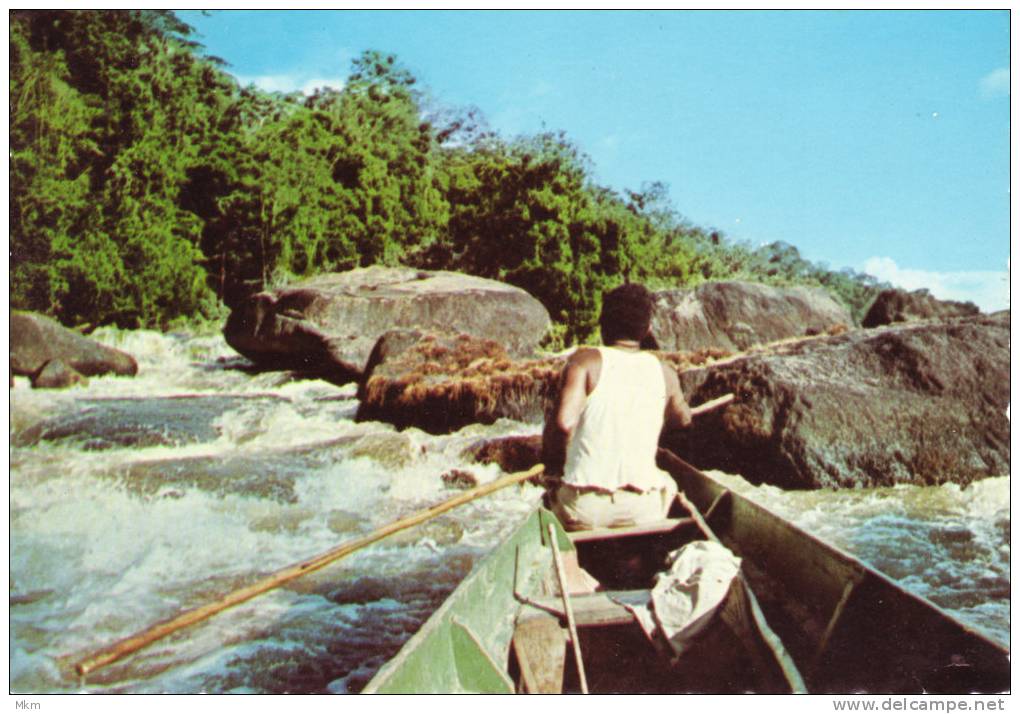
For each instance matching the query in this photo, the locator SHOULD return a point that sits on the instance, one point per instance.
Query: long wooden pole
(561, 577)
(135, 642)
(712, 404)
(158, 631)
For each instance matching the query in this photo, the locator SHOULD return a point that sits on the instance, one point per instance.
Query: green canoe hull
(807, 617)
(463, 646)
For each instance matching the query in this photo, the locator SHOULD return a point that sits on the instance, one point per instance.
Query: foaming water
(132, 499)
(946, 543)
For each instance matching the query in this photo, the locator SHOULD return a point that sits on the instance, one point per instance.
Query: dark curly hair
(626, 313)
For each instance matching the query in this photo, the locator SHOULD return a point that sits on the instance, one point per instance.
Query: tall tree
(383, 157)
(123, 251)
(52, 145)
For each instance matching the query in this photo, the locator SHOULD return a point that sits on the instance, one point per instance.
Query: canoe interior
(729, 656)
(884, 639)
(803, 617)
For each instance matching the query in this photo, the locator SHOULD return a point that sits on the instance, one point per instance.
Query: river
(134, 498)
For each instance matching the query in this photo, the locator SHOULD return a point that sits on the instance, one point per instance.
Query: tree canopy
(147, 187)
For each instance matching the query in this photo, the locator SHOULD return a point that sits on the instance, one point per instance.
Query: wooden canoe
(803, 616)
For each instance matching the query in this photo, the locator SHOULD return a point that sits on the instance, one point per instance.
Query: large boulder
(896, 305)
(921, 403)
(329, 324)
(37, 340)
(736, 315)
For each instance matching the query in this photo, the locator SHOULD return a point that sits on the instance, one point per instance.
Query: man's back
(605, 427)
(614, 443)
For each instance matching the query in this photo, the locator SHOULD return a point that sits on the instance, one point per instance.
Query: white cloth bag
(689, 592)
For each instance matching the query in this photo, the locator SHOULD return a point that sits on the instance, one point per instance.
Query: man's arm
(577, 380)
(678, 413)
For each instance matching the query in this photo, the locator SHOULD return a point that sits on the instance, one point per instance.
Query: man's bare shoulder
(585, 358)
(672, 379)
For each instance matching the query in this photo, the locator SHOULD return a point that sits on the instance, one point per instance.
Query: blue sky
(872, 140)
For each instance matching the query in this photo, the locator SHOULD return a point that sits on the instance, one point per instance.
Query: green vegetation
(147, 188)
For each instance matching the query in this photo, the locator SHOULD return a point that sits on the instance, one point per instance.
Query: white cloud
(610, 142)
(988, 289)
(288, 83)
(995, 84)
(314, 83)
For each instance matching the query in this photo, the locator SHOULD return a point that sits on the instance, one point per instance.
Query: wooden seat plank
(592, 610)
(665, 525)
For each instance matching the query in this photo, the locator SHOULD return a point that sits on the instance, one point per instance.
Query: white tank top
(615, 441)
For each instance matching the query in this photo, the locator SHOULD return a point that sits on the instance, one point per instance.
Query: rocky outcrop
(330, 324)
(901, 306)
(38, 341)
(920, 403)
(441, 383)
(736, 315)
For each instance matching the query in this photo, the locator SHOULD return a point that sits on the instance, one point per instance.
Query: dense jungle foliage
(147, 188)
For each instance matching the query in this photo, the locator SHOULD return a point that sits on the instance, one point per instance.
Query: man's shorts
(580, 509)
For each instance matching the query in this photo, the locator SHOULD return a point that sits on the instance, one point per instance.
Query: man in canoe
(603, 431)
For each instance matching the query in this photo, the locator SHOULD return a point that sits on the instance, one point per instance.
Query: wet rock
(132, 422)
(922, 403)
(25, 415)
(441, 383)
(394, 451)
(459, 478)
(902, 306)
(271, 476)
(37, 340)
(282, 520)
(512, 453)
(329, 324)
(736, 315)
(393, 345)
(29, 598)
(57, 375)
(345, 522)
(441, 532)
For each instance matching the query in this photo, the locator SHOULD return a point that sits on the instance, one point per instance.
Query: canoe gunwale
(908, 626)
(847, 599)
(861, 570)
(528, 534)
